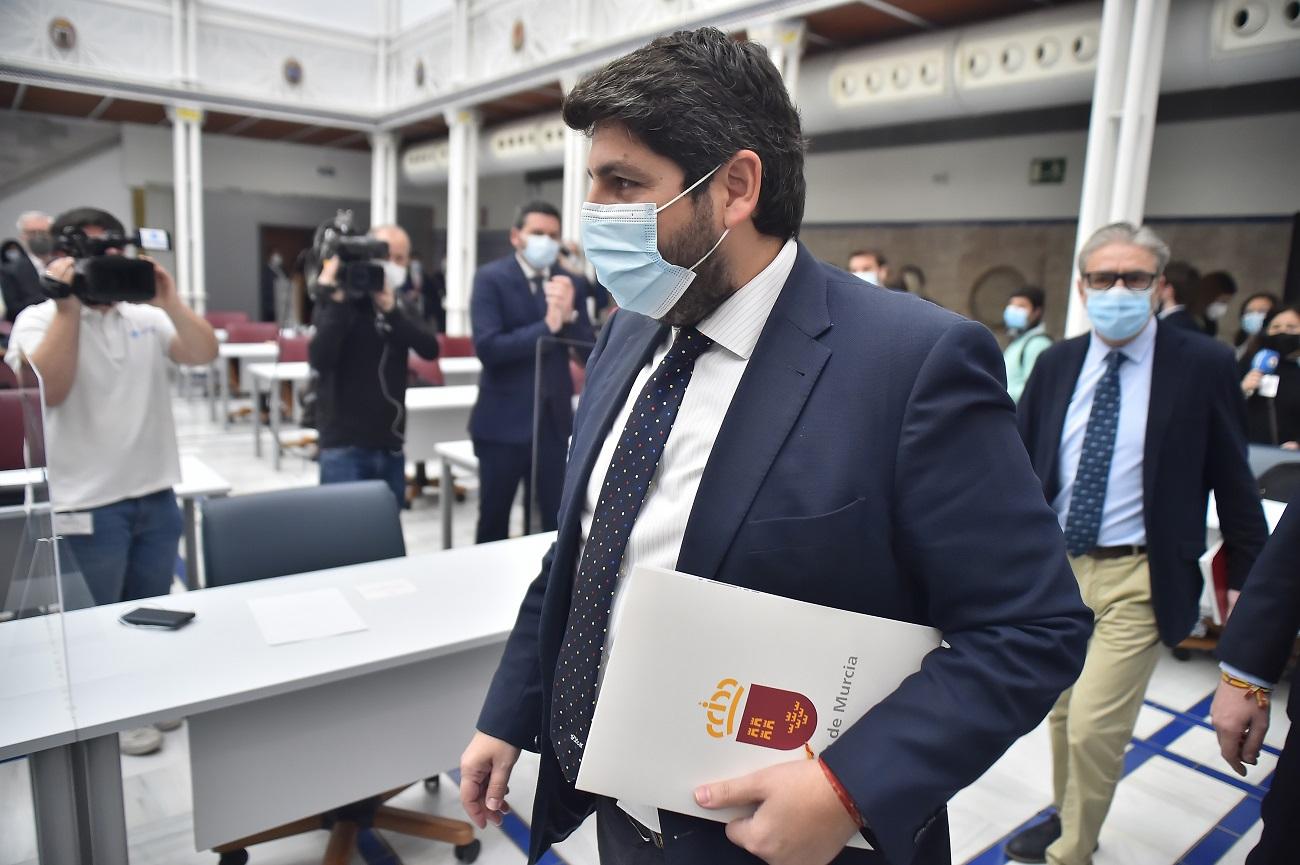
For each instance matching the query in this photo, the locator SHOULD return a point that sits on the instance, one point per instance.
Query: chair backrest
(225, 318)
(253, 331)
(293, 349)
(455, 346)
(263, 535)
(578, 373)
(11, 429)
(8, 378)
(1280, 483)
(427, 373)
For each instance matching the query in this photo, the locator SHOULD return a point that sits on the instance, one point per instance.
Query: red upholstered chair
(424, 373)
(455, 346)
(224, 319)
(293, 349)
(11, 429)
(252, 331)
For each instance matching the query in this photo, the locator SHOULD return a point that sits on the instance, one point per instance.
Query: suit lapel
(1060, 406)
(780, 376)
(1166, 385)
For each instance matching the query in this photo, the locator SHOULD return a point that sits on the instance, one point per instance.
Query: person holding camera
(109, 434)
(360, 352)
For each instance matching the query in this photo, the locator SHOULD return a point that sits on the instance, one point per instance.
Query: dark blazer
(20, 285)
(1195, 442)
(507, 319)
(1184, 319)
(868, 461)
(1264, 623)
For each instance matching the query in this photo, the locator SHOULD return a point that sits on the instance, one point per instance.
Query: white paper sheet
(304, 616)
(381, 589)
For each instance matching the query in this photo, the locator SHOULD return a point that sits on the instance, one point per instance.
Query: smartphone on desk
(152, 617)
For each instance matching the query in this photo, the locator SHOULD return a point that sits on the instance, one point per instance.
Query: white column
(462, 216)
(784, 41)
(198, 275)
(181, 201)
(577, 146)
(1122, 126)
(383, 178)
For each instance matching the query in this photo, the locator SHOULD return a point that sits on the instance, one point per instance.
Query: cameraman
(360, 350)
(110, 438)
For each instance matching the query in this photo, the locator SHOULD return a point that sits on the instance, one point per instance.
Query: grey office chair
(264, 535)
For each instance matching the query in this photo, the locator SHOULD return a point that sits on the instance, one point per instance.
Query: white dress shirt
(656, 537)
(1122, 519)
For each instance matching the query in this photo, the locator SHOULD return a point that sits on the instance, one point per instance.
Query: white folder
(705, 681)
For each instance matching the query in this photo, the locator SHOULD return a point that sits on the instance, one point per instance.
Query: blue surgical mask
(1253, 322)
(1015, 317)
(1118, 314)
(540, 250)
(622, 242)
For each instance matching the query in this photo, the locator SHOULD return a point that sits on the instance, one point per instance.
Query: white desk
(435, 415)
(240, 352)
(198, 480)
(460, 370)
(270, 374)
(459, 454)
(276, 732)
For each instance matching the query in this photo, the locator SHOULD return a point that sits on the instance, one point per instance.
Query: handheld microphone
(1266, 361)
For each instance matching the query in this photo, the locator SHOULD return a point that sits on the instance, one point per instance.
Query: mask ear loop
(725, 232)
(679, 195)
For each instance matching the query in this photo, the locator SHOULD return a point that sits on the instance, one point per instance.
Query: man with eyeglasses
(1128, 428)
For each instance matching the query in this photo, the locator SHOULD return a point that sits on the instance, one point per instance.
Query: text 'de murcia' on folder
(705, 681)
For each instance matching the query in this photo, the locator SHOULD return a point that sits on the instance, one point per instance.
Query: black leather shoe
(1031, 844)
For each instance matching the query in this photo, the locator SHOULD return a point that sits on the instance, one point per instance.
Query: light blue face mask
(1253, 322)
(622, 242)
(1015, 317)
(1118, 314)
(540, 250)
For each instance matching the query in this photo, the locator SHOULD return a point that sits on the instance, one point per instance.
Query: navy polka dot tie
(1083, 523)
(621, 495)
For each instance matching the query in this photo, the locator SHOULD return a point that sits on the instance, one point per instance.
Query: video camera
(102, 278)
(361, 272)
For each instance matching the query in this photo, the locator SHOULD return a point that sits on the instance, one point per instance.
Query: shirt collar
(1135, 352)
(529, 271)
(738, 322)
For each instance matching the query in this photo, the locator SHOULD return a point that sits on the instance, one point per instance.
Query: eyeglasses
(1103, 279)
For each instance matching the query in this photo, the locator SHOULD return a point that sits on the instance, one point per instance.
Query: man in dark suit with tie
(1254, 650)
(517, 301)
(756, 417)
(1129, 427)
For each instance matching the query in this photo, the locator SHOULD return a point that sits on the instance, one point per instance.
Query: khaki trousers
(1092, 723)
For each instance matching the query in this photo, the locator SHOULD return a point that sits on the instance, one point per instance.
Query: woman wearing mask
(1255, 314)
(1273, 406)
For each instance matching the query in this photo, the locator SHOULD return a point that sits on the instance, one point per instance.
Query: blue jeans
(340, 465)
(132, 552)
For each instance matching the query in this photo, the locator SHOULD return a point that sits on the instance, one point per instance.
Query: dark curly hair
(698, 97)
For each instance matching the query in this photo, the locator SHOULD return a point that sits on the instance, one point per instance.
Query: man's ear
(742, 181)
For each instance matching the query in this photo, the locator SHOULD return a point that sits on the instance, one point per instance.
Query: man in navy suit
(756, 417)
(1254, 650)
(1129, 427)
(517, 301)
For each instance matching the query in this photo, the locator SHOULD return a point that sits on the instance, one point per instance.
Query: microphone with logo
(1266, 361)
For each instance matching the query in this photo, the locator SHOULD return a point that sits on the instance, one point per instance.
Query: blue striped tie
(621, 496)
(1083, 523)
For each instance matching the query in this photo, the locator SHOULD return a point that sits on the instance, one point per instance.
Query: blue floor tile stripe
(517, 831)
(1233, 825)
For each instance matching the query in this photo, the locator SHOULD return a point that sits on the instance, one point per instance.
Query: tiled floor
(1164, 807)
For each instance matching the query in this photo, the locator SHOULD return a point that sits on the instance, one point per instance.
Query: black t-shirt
(353, 342)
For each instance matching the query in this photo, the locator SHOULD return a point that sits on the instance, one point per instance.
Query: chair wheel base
(468, 852)
(234, 857)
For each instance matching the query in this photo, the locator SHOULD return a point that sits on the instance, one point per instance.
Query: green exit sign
(1049, 170)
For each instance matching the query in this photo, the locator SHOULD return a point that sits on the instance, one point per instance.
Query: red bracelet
(845, 799)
